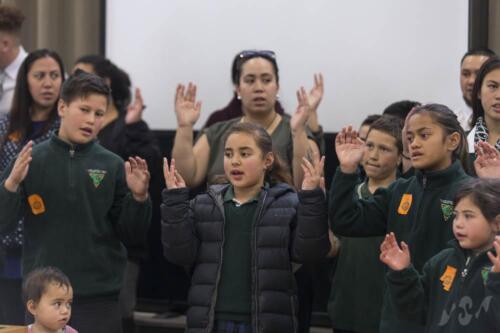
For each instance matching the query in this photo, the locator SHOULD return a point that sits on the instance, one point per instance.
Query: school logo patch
(405, 204)
(36, 203)
(448, 277)
(447, 209)
(96, 176)
(484, 273)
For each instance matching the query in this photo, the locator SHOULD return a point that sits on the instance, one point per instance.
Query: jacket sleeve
(310, 240)
(11, 206)
(354, 217)
(493, 290)
(180, 243)
(409, 292)
(131, 219)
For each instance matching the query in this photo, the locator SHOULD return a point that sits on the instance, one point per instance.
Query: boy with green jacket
(77, 209)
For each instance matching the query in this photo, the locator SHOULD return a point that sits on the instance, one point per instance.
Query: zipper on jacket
(255, 285)
(211, 313)
(466, 268)
(424, 181)
(72, 193)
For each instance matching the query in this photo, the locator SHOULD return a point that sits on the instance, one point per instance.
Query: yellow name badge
(448, 277)
(405, 204)
(36, 204)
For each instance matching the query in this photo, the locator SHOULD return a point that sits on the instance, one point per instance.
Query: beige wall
(494, 26)
(70, 27)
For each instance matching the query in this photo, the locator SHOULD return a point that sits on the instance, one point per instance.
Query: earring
(277, 96)
(238, 97)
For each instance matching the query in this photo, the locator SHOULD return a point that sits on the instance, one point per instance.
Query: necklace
(268, 125)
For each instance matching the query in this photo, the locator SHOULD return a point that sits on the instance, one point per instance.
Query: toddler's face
(53, 311)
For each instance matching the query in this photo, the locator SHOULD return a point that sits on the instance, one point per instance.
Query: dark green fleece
(418, 210)
(456, 293)
(84, 215)
(357, 290)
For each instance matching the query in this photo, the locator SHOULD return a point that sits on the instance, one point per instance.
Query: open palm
(137, 176)
(392, 255)
(349, 148)
(299, 118)
(173, 178)
(187, 109)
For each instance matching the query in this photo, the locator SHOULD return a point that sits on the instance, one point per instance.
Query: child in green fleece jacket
(76, 206)
(459, 290)
(418, 209)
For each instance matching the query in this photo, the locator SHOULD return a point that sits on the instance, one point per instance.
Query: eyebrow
(419, 129)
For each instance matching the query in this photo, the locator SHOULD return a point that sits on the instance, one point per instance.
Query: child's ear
(31, 306)
(453, 141)
(61, 108)
(268, 160)
(496, 225)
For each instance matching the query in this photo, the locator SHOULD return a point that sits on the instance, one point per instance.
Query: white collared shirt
(9, 82)
(464, 114)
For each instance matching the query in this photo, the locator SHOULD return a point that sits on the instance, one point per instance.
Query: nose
(235, 160)
(90, 118)
(414, 143)
(471, 79)
(374, 154)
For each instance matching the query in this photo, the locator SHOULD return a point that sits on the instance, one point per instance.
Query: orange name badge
(448, 277)
(405, 204)
(36, 204)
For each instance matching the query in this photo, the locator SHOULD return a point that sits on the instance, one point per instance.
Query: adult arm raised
(191, 161)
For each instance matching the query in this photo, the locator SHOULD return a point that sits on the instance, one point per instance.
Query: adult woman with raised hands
(258, 85)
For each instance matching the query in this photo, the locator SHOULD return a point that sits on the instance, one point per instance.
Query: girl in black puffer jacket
(240, 238)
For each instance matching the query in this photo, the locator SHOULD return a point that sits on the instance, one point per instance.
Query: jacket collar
(272, 191)
(57, 143)
(441, 178)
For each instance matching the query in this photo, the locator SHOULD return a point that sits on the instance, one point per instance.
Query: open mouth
(86, 131)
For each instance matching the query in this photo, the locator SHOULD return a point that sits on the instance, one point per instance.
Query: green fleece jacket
(456, 293)
(77, 212)
(418, 210)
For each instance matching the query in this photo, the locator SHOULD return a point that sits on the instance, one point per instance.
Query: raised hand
(20, 169)
(173, 178)
(187, 109)
(349, 148)
(487, 163)
(495, 260)
(313, 172)
(137, 176)
(134, 110)
(299, 118)
(392, 255)
(316, 93)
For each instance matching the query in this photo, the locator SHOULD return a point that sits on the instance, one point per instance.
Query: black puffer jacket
(289, 227)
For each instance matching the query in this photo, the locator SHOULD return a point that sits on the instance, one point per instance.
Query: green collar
(229, 195)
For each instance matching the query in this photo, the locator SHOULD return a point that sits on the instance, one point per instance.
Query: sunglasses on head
(257, 53)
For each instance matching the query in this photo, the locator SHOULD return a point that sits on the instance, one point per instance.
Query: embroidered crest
(448, 277)
(405, 204)
(36, 204)
(447, 209)
(97, 176)
(484, 273)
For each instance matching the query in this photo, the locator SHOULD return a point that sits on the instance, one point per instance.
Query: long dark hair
(477, 107)
(277, 173)
(20, 122)
(448, 121)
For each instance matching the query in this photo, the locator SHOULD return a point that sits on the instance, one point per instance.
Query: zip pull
(465, 271)
(424, 181)
(72, 152)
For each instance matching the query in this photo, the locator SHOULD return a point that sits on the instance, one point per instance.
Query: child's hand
(187, 109)
(312, 172)
(393, 256)
(137, 175)
(495, 260)
(349, 149)
(134, 110)
(173, 178)
(20, 168)
(301, 115)
(487, 163)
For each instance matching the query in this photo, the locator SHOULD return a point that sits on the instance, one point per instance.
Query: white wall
(371, 53)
